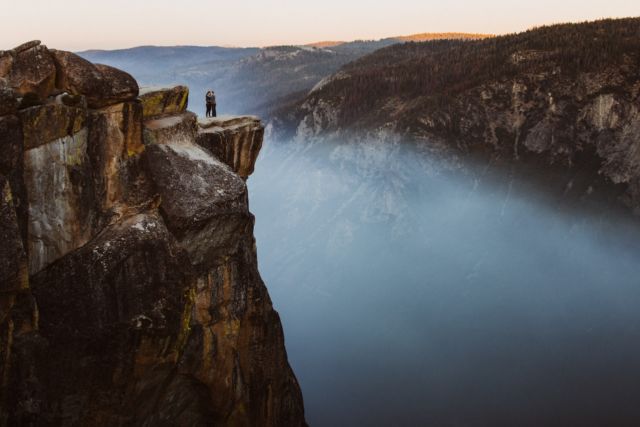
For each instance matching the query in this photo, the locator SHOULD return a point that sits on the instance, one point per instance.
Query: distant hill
(159, 63)
(423, 37)
(402, 82)
(564, 96)
(246, 80)
(326, 44)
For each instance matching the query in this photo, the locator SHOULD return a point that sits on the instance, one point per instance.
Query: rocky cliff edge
(129, 288)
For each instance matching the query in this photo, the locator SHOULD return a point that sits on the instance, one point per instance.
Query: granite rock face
(236, 141)
(129, 288)
(101, 84)
(164, 101)
(30, 69)
(162, 130)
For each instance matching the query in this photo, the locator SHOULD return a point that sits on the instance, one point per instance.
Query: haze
(411, 297)
(81, 24)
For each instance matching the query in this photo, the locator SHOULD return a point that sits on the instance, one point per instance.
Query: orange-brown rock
(115, 145)
(45, 123)
(6, 62)
(102, 85)
(236, 140)
(176, 128)
(129, 289)
(164, 101)
(32, 70)
(118, 86)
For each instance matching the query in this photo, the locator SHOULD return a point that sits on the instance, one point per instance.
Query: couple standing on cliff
(211, 103)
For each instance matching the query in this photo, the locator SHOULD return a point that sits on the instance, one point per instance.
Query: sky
(107, 24)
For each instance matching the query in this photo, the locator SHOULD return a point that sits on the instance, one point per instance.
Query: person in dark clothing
(208, 103)
(211, 104)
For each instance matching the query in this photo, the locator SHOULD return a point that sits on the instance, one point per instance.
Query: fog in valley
(412, 296)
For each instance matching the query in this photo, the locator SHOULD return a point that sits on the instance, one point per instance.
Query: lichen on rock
(164, 101)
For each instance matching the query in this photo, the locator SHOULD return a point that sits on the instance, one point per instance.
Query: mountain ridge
(553, 93)
(246, 80)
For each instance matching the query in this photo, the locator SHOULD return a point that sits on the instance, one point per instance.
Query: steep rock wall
(561, 101)
(129, 288)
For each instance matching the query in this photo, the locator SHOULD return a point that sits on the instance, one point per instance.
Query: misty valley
(415, 296)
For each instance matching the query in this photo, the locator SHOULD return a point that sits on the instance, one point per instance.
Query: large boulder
(229, 299)
(60, 194)
(26, 46)
(118, 86)
(100, 84)
(32, 70)
(194, 186)
(203, 201)
(45, 123)
(115, 312)
(177, 128)
(118, 279)
(164, 101)
(235, 140)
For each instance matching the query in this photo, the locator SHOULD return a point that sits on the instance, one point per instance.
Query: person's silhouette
(211, 103)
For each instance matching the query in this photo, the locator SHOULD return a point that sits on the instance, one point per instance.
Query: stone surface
(18, 314)
(226, 121)
(26, 46)
(45, 123)
(119, 86)
(177, 128)
(6, 62)
(60, 196)
(234, 140)
(13, 259)
(12, 166)
(164, 101)
(8, 100)
(33, 71)
(120, 305)
(115, 145)
(193, 185)
(102, 85)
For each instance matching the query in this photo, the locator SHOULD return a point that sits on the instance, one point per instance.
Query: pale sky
(106, 24)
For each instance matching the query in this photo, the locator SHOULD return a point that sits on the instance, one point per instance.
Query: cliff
(129, 287)
(557, 101)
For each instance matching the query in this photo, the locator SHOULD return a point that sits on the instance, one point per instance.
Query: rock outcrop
(234, 140)
(129, 288)
(561, 100)
(164, 101)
